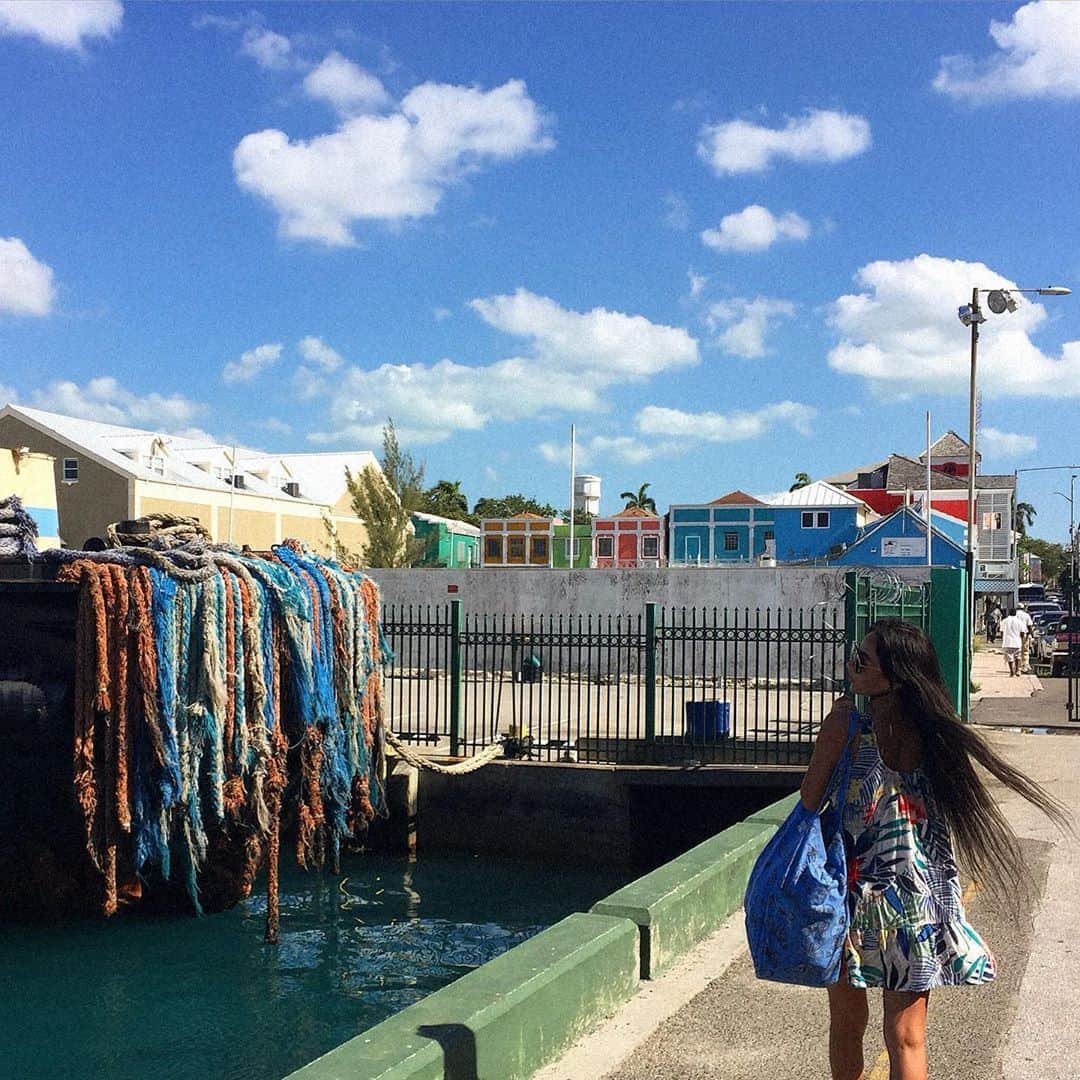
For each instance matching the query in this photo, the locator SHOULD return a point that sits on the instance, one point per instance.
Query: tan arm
(827, 750)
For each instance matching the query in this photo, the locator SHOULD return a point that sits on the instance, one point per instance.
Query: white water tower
(587, 494)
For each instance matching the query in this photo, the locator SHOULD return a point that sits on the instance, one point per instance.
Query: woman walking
(914, 791)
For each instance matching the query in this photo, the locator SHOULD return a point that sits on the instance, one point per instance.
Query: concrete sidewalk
(709, 1017)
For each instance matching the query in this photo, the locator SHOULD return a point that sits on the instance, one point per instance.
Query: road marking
(880, 1069)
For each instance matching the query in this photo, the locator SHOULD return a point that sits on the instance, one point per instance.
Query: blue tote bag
(796, 899)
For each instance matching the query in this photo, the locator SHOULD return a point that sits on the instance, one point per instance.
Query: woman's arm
(827, 750)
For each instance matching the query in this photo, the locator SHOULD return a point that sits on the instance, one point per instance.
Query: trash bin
(708, 721)
(531, 668)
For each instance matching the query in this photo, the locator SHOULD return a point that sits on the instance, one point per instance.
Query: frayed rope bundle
(18, 530)
(195, 671)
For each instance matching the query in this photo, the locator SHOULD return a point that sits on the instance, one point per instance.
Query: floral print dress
(908, 930)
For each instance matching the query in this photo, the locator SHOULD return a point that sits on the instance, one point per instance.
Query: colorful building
(816, 522)
(900, 540)
(31, 477)
(560, 550)
(520, 541)
(732, 529)
(633, 537)
(447, 541)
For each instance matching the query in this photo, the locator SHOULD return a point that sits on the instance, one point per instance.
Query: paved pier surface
(710, 1018)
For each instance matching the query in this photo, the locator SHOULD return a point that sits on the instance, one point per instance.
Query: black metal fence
(669, 686)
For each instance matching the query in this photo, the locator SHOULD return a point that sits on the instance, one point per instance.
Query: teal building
(448, 542)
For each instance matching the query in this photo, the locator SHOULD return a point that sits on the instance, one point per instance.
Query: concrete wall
(536, 591)
(33, 478)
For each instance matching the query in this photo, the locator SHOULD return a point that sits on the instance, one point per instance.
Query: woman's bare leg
(848, 1014)
(905, 1034)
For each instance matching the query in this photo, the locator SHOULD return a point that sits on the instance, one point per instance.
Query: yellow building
(106, 473)
(522, 540)
(31, 477)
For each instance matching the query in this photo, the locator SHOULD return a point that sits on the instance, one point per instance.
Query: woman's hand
(831, 739)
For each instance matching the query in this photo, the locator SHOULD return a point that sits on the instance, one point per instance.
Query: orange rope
(230, 671)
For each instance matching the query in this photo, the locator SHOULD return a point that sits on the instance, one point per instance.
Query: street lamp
(998, 301)
(1072, 542)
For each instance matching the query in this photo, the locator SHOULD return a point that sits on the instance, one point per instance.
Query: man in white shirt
(1013, 631)
(1025, 645)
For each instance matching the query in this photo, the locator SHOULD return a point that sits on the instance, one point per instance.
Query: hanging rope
(460, 768)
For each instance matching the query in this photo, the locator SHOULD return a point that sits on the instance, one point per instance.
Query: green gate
(936, 606)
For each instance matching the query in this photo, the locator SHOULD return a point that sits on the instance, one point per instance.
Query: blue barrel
(708, 721)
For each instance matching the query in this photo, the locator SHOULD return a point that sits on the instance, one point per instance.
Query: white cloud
(740, 146)
(600, 449)
(316, 351)
(902, 335)
(995, 443)
(274, 425)
(697, 283)
(755, 229)
(104, 399)
(268, 49)
(740, 325)
(441, 314)
(676, 212)
(572, 357)
(7, 395)
(390, 168)
(309, 384)
(347, 86)
(251, 363)
(26, 285)
(718, 427)
(63, 24)
(1038, 57)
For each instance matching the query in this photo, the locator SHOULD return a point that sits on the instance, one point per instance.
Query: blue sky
(728, 241)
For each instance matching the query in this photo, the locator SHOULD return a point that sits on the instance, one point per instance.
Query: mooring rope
(459, 768)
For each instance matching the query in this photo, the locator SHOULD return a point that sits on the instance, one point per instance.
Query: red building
(632, 537)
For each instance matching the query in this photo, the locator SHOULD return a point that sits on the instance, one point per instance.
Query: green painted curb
(687, 899)
(505, 1019)
(776, 813)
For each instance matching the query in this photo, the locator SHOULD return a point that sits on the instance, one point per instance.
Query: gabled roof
(321, 476)
(455, 525)
(818, 493)
(916, 517)
(905, 472)
(736, 498)
(636, 511)
(948, 446)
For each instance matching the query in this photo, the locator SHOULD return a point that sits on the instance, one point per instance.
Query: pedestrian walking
(914, 791)
(1013, 631)
(1025, 641)
(993, 622)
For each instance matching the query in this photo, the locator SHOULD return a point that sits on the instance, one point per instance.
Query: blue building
(736, 528)
(817, 522)
(900, 540)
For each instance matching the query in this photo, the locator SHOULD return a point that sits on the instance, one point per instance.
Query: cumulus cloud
(390, 168)
(346, 86)
(741, 146)
(719, 427)
(1038, 57)
(569, 359)
(268, 49)
(63, 24)
(697, 283)
(901, 334)
(755, 229)
(316, 351)
(995, 443)
(26, 285)
(740, 325)
(104, 399)
(251, 363)
(603, 448)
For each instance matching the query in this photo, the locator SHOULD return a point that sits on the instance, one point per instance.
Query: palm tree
(639, 499)
(446, 499)
(1024, 516)
(801, 481)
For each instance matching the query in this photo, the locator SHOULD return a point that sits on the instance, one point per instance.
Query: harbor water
(180, 998)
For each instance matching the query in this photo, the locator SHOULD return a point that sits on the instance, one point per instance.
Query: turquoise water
(179, 998)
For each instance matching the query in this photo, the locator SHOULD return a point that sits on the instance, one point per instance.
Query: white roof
(126, 450)
(463, 528)
(818, 493)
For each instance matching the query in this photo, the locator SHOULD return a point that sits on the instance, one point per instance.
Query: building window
(818, 519)
(731, 541)
(539, 548)
(650, 547)
(605, 547)
(156, 464)
(493, 549)
(515, 546)
(577, 549)
(70, 473)
(991, 520)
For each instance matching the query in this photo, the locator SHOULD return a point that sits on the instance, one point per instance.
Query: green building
(449, 543)
(560, 545)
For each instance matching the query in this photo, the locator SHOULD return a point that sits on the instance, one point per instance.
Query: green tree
(511, 506)
(801, 480)
(390, 541)
(447, 500)
(639, 499)
(1024, 517)
(402, 475)
(1055, 557)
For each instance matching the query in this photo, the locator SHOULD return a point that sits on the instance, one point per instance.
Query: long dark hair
(985, 841)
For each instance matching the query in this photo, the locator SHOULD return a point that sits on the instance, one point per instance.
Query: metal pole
(650, 671)
(570, 542)
(457, 700)
(929, 540)
(972, 545)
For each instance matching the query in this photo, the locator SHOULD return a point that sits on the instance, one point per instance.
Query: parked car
(1066, 641)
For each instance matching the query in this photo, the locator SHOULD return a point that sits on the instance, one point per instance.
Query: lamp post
(998, 301)
(1072, 543)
